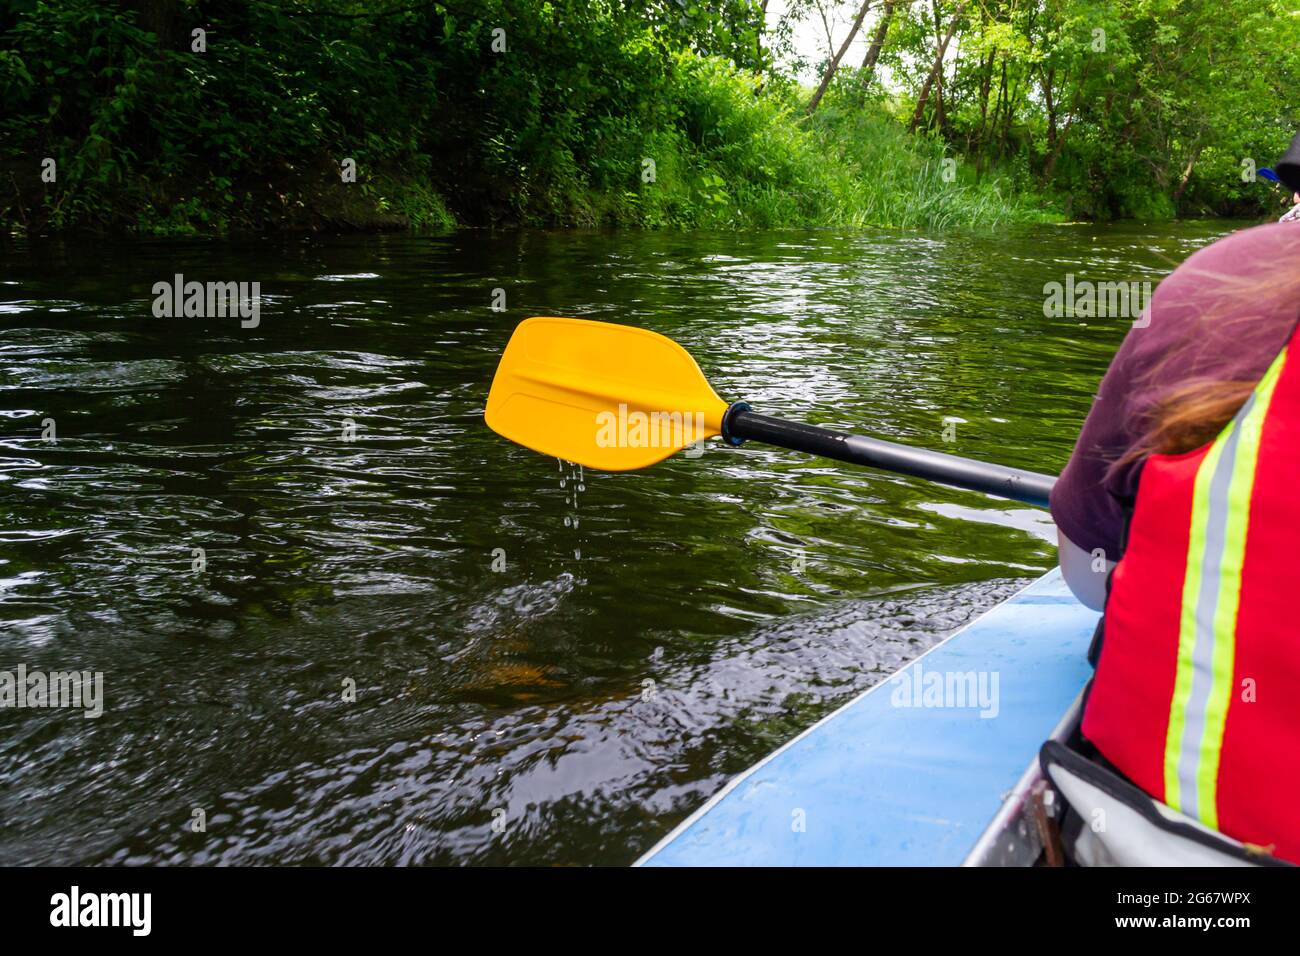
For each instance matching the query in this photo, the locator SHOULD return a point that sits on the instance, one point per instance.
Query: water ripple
(347, 622)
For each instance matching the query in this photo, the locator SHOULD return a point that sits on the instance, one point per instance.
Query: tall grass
(735, 156)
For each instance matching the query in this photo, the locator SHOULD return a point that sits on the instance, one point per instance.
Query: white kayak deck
(885, 784)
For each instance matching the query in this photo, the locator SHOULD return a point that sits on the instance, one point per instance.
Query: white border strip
(736, 781)
(983, 853)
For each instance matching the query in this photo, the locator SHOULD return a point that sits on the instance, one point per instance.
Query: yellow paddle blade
(603, 395)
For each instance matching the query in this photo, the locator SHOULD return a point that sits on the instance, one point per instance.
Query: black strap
(1094, 649)
(1098, 636)
(1121, 789)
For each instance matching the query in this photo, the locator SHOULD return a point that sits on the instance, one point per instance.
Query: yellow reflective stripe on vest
(1211, 592)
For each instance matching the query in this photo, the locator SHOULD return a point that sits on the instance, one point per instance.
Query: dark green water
(651, 633)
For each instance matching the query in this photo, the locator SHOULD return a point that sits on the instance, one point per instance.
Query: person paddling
(1286, 175)
(1292, 214)
(1177, 514)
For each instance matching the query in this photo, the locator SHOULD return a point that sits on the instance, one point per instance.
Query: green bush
(556, 129)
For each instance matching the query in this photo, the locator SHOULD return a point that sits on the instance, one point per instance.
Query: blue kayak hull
(911, 772)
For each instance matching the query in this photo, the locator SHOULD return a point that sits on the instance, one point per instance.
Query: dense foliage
(645, 112)
(1121, 107)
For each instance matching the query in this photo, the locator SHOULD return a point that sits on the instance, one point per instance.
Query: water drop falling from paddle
(572, 483)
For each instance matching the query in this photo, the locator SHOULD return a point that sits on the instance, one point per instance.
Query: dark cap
(1288, 167)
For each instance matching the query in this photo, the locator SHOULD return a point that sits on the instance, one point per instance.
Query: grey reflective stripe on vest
(1207, 603)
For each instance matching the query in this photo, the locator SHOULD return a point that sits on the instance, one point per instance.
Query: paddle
(617, 398)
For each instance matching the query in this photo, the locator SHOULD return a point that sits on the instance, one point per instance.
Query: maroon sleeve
(1212, 318)
(1084, 509)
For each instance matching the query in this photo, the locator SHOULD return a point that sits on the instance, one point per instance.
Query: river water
(340, 621)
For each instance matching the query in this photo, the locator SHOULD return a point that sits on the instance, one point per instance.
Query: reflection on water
(238, 525)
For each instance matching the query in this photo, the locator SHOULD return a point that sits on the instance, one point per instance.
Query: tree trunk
(936, 69)
(835, 63)
(1048, 78)
(1007, 116)
(877, 44)
(1050, 165)
(939, 119)
(986, 84)
(1187, 173)
(1021, 83)
(1000, 101)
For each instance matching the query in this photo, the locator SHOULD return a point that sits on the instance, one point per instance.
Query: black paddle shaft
(1029, 487)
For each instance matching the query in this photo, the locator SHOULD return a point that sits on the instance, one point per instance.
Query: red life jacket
(1196, 698)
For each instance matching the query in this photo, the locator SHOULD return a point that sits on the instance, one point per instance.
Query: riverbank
(726, 154)
(139, 121)
(160, 118)
(842, 171)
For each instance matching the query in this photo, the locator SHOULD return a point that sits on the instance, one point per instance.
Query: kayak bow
(893, 780)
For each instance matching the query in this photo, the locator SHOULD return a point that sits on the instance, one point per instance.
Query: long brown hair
(1188, 417)
(1193, 414)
